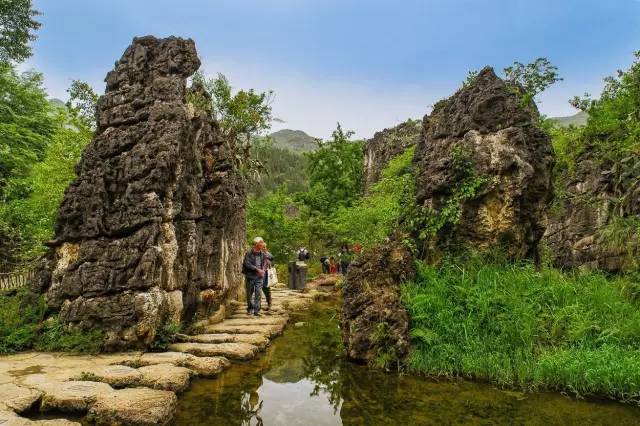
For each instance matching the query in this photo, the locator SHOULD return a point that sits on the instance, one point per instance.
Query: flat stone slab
(253, 320)
(135, 407)
(259, 340)
(118, 376)
(9, 418)
(18, 398)
(238, 351)
(202, 366)
(269, 330)
(73, 396)
(165, 377)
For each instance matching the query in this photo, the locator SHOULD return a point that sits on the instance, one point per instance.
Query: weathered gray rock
(598, 193)
(374, 320)
(152, 229)
(385, 145)
(485, 132)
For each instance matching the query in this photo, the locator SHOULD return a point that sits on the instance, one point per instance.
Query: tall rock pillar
(152, 229)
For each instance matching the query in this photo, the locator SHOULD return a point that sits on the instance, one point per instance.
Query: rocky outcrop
(375, 324)
(484, 170)
(599, 193)
(151, 231)
(385, 145)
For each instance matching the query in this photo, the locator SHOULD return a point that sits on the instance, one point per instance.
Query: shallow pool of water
(303, 380)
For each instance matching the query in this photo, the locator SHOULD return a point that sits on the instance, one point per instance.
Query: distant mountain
(579, 119)
(294, 140)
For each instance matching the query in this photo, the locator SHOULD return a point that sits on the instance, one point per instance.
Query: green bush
(515, 326)
(24, 326)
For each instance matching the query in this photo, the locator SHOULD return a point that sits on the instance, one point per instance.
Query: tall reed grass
(518, 327)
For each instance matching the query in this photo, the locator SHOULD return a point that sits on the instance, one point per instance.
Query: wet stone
(269, 330)
(237, 351)
(135, 407)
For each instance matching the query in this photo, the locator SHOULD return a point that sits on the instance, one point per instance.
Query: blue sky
(366, 63)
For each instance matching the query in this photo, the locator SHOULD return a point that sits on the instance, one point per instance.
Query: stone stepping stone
(253, 320)
(9, 418)
(237, 351)
(165, 377)
(202, 366)
(118, 376)
(134, 406)
(72, 396)
(268, 330)
(259, 340)
(18, 398)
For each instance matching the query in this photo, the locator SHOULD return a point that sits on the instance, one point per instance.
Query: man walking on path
(254, 270)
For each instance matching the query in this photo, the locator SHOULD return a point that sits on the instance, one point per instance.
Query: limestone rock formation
(485, 133)
(152, 228)
(600, 192)
(385, 145)
(374, 322)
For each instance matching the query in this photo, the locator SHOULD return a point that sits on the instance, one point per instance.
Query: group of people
(332, 266)
(255, 267)
(257, 262)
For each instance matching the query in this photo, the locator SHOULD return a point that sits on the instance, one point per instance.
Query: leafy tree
(26, 125)
(27, 221)
(533, 78)
(82, 102)
(16, 29)
(335, 172)
(283, 168)
(242, 115)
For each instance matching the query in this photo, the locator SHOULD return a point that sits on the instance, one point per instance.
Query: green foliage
(426, 222)
(516, 326)
(165, 336)
(283, 168)
(374, 217)
(26, 124)
(24, 326)
(82, 103)
(607, 145)
(17, 25)
(335, 173)
(30, 219)
(241, 115)
(276, 217)
(533, 78)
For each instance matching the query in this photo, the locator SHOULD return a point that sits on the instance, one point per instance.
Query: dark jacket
(252, 262)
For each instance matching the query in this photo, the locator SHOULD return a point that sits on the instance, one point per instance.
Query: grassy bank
(25, 325)
(514, 326)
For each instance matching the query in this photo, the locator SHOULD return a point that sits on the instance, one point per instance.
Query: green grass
(24, 325)
(517, 327)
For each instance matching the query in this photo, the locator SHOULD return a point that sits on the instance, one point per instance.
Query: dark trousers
(253, 288)
(266, 290)
(325, 268)
(344, 267)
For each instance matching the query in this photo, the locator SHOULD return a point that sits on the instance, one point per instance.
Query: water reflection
(303, 380)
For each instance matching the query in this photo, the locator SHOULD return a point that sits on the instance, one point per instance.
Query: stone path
(137, 388)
